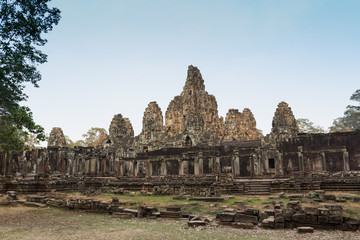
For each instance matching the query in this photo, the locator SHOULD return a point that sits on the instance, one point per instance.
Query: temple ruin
(193, 147)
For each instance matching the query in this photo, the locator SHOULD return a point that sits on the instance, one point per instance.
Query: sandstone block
(269, 222)
(170, 214)
(225, 217)
(245, 218)
(305, 230)
(252, 211)
(311, 211)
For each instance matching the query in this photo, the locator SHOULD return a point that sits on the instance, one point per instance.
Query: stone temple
(193, 147)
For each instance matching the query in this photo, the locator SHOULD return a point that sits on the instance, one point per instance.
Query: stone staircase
(257, 188)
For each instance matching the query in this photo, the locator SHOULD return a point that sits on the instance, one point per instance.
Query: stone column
(163, 171)
(200, 163)
(323, 161)
(149, 168)
(121, 168)
(217, 169)
(181, 167)
(346, 159)
(301, 159)
(136, 169)
(279, 165)
(236, 163)
(196, 166)
(131, 163)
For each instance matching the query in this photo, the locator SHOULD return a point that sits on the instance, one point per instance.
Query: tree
(307, 126)
(95, 136)
(69, 142)
(351, 119)
(31, 142)
(22, 24)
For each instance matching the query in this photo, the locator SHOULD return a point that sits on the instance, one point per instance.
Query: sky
(116, 56)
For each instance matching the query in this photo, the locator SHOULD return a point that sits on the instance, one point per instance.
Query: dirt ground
(49, 223)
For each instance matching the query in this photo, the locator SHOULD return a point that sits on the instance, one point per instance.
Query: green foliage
(93, 136)
(22, 24)
(351, 119)
(31, 142)
(11, 137)
(307, 126)
(69, 142)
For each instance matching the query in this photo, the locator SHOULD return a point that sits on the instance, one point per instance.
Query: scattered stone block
(287, 213)
(295, 196)
(170, 214)
(263, 216)
(131, 211)
(298, 217)
(277, 206)
(229, 210)
(245, 218)
(294, 205)
(196, 223)
(311, 211)
(334, 209)
(323, 211)
(270, 212)
(252, 211)
(173, 208)
(329, 197)
(225, 217)
(335, 219)
(12, 195)
(268, 222)
(305, 230)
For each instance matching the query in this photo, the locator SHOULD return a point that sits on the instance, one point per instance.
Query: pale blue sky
(109, 57)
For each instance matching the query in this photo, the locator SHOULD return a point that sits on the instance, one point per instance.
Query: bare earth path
(49, 223)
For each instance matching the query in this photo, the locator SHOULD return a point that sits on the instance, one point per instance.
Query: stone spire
(194, 82)
(56, 138)
(240, 126)
(192, 101)
(153, 123)
(119, 129)
(284, 122)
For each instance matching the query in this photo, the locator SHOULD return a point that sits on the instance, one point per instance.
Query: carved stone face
(150, 125)
(194, 122)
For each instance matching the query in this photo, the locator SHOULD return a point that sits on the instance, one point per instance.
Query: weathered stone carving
(284, 122)
(153, 123)
(193, 99)
(120, 129)
(56, 138)
(240, 126)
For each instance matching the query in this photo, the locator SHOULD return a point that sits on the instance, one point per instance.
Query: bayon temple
(194, 147)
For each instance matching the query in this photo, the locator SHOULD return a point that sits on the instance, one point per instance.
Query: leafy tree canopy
(307, 126)
(22, 23)
(351, 119)
(95, 136)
